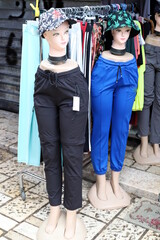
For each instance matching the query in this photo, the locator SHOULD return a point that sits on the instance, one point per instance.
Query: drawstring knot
(119, 69)
(53, 78)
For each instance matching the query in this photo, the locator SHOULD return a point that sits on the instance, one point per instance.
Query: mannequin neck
(118, 49)
(157, 33)
(57, 53)
(117, 52)
(157, 30)
(57, 57)
(118, 46)
(57, 60)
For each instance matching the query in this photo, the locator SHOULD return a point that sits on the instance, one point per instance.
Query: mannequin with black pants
(61, 105)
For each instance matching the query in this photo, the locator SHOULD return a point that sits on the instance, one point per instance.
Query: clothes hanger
(123, 6)
(87, 15)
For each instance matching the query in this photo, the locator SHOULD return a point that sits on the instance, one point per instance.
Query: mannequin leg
(101, 187)
(52, 158)
(53, 219)
(115, 184)
(144, 115)
(70, 224)
(155, 118)
(72, 128)
(122, 109)
(144, 147)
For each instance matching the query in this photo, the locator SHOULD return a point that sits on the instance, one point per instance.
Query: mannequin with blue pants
(113, 90)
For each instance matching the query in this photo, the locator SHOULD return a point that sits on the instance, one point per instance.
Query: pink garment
(136, 47)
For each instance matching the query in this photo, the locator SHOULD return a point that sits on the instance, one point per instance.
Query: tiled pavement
(19, 220)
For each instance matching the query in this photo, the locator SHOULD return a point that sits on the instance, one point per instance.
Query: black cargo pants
(62, 132)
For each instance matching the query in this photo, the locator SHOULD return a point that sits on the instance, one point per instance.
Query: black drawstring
(53, 78)
(56, 78)
(119, 68)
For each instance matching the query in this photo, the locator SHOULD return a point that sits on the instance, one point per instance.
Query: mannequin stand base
(112, 201)
(58, 233)
(150, 160)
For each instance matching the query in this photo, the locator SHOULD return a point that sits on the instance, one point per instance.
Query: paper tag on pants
(76, 103)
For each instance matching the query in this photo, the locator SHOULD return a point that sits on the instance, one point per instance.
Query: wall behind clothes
(13, 13)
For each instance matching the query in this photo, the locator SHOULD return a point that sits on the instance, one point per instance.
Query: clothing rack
(21, 173)
(86, 11)
(107, 8)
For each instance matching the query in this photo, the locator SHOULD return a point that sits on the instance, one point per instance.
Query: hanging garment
(147, 10)
(75, 44)
(139, 100)
(28, 139)
(87, 58)
(97, 43)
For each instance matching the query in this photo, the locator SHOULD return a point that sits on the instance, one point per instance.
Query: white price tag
(76, 103)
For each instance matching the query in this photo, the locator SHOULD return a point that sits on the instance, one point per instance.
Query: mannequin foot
(53, 219)
(157, 154)
(116, 190)
(156, 150)
(115, 185)
(101, 187)
(143, 152)
(144, 147)
(70, 224)
(101, 191)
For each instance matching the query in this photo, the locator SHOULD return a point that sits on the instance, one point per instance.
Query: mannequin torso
(154, 40)
(124, 58)
(67, 66)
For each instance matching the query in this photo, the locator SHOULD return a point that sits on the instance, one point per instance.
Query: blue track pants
(113, 90)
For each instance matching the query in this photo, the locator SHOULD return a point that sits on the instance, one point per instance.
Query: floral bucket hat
(52, 19)
(120, 19)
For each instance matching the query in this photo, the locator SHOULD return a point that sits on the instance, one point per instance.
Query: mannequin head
(120, 27)
(58, 39)
(120, 37)
(157, 17)
(54, 27)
